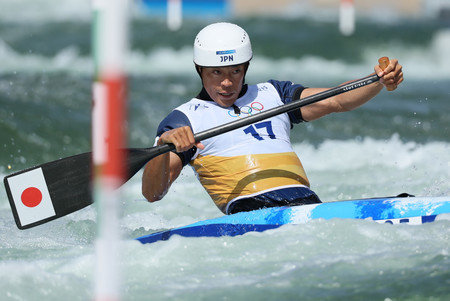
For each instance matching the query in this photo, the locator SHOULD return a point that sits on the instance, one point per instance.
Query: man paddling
(255, 166)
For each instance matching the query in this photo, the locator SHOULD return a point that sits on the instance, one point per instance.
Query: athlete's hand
(391, 76)
(182, 138)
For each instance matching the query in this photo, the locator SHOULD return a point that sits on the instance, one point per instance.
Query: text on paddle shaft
(357, 85)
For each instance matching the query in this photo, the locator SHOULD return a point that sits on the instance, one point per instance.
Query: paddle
(54, 189)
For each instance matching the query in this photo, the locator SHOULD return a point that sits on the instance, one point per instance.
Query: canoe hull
(412, 210)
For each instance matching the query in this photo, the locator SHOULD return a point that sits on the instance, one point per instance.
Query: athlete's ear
(199, 70)
(245, 71)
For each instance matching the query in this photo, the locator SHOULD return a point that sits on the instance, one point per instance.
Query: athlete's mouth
(226, 94)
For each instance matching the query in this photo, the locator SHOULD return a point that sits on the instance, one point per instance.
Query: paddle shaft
(296, 104)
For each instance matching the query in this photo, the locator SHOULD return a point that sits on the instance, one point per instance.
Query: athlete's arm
(390, 77)
(162, 171)
(159, 174)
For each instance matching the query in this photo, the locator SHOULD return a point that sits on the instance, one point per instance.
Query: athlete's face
(223, 84)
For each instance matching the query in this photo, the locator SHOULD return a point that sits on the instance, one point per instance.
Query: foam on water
(307, 261)
(23, 11)
(320, 259)
(167, 61)
(67, 60)
(436, 67)
(369, 168)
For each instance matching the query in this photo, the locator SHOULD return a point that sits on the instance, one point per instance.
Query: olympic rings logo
(255, 107)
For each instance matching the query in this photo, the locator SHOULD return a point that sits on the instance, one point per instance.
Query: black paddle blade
(49, 191)
(138, 157)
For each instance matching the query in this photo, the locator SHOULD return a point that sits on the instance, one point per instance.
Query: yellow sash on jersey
(226, 178)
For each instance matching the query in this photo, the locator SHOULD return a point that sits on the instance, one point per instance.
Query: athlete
(255, 166)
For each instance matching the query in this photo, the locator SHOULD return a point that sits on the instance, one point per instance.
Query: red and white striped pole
(347, 17)
(110, 41)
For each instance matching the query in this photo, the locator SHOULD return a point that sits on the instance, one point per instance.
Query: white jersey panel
(264, 137)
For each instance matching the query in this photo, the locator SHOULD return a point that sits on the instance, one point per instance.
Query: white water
(321, 260)
(166, 61)
(44, 10)
(308, 262)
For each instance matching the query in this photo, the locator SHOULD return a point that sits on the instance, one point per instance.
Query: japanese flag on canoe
(31, 199)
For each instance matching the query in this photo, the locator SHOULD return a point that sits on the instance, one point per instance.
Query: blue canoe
(412, 210)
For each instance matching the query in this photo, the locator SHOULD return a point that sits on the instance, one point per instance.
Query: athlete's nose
(227, 82)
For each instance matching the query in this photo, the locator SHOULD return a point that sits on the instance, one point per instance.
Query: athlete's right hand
(182, 138)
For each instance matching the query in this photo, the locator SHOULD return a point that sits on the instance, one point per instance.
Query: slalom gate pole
(110, 28)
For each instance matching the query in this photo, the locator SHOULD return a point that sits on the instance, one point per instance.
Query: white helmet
(222, 44)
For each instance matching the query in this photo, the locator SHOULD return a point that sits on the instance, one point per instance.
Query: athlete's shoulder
(177, 119)
(285, 87)
(174, 120)
(187, 114)
(288, 92)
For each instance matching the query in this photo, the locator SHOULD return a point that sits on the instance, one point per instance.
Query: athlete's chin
(226, 100)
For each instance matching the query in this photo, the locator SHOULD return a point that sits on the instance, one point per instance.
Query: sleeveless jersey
(250, 160)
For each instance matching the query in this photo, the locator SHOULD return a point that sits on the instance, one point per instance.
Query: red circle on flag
(31, 197)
